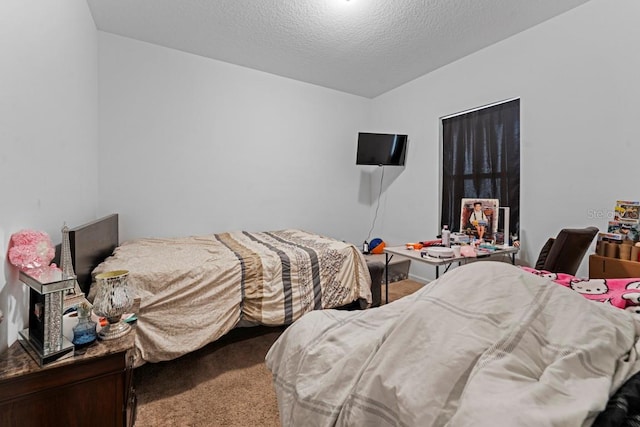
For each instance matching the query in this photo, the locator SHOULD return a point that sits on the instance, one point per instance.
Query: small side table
(95, 388)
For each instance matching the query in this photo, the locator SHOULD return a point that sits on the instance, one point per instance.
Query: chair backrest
(565, 253)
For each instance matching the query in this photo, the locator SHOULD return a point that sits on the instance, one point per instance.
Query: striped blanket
(486, 344)
(195, 289)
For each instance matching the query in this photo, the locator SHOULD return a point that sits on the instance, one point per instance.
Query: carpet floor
(226, 383)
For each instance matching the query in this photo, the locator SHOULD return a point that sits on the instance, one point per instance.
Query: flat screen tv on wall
(381, 149)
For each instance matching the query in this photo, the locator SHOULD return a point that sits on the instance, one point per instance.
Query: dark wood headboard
(90, 244)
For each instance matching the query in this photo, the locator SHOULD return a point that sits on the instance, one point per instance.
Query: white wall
(48, 130)
(577, 77)
(190, 145)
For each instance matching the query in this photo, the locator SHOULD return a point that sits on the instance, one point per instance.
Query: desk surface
(416, 254)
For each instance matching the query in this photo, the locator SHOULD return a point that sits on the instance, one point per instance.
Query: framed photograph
(479, 217)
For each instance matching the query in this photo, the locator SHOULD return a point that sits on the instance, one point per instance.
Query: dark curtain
(481, 159)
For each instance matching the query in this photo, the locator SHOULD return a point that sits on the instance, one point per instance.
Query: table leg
(437, 271)
(387, 258)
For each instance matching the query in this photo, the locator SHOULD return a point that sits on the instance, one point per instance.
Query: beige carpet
(223, 384)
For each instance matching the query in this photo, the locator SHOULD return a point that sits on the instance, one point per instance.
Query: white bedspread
(487, 344)
(195, 289)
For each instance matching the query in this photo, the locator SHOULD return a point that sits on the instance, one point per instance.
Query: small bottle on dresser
(446, 235)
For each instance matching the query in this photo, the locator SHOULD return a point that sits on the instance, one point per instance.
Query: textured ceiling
(363, 47)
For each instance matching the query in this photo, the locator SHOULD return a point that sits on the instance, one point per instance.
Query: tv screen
(382, 149)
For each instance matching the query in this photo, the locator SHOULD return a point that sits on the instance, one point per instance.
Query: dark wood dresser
(92, 389)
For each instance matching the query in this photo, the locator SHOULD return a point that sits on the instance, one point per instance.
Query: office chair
(564, 253)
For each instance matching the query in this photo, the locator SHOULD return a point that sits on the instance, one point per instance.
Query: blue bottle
(84, 333)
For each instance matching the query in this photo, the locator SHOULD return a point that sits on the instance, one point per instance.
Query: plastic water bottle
(446, 235)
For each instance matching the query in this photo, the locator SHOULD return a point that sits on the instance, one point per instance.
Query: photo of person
(479, 217)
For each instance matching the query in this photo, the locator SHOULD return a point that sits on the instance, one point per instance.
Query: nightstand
(92, 389)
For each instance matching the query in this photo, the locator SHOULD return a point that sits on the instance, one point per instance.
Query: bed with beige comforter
(487, 344)
(195, 289)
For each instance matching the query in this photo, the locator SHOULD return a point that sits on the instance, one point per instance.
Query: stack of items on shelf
(622, 239)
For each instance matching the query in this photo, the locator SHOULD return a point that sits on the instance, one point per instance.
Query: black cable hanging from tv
(377, 206)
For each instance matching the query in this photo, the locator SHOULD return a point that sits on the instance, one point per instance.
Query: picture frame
(470, 221)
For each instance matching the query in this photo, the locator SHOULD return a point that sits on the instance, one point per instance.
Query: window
(481, 159)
